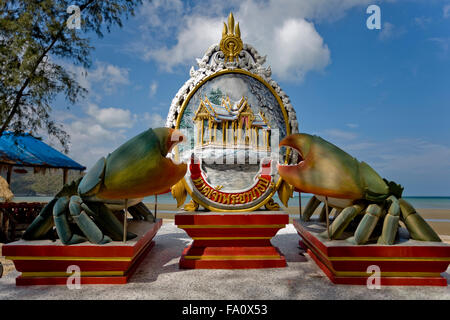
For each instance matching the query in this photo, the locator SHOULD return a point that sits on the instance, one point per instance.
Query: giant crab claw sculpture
(136, 169)
(353, 189)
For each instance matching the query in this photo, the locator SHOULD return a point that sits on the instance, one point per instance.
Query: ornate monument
(235, 116)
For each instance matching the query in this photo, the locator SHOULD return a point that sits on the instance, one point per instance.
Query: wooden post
(300, 204)
(210, 131)
(224, 132)
(239, 138)
(125, 221)
(328, 219)
(1, 221)
(203, 128)
(6, 227)
(65, 173)
(8, 175)
(156, 204)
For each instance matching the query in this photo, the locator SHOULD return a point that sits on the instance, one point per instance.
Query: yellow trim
(385, 274)
(53, 258)
(65, 274)
(322, 256)
(319, 254)
(69, 258)
(288, 132)
(387, 259)
(251, 257)
(231, 238)
(231, 226)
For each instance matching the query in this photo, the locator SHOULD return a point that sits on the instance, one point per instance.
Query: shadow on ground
(288, 245)
(163, 258)
(166, 253)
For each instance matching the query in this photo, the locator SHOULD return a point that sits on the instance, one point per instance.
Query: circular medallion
(234, 121)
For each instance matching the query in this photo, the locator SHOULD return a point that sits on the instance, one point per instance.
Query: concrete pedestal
(44, 262)
(232, 240)
(410, 262)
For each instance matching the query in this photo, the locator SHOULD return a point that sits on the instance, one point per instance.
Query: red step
(231, 240)
(414, 263)
(46, 262)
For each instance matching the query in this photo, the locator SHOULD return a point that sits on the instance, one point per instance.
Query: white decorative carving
(214, 61)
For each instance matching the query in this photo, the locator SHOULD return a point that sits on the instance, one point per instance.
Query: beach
(170, 242)
(159, 278)
(439, 219)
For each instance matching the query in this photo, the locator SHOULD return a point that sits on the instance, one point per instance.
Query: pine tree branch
(20, 94)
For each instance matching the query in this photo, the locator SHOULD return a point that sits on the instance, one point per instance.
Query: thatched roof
(5, 192)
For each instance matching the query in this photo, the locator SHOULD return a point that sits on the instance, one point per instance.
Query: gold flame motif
(231, 43)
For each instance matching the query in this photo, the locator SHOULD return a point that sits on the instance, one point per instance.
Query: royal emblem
(234, 116)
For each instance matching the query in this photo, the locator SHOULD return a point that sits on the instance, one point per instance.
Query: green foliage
(215, 96)
(34, 42)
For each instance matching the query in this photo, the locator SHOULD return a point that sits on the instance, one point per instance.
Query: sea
(416, 202)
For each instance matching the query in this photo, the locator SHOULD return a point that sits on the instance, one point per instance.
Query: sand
(441, 227)
(159, 277)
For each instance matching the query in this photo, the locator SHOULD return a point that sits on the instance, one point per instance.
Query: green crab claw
(324, 169)
(140, 168)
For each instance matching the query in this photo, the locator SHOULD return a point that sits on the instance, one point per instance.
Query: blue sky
(381, 95)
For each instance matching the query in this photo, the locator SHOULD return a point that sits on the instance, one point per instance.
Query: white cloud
(106, 76)
(97, 132)
(111, 117)
(109, 76)
(421, 166)
(193, 41)
(443, 43)
(446, 11)
(340, 134)
(390, 31)
(155, 10)
(90, 140)
(298, 49)
(152, 89)
(101, 131)
(422, 21)
(284, 31)
(235, 88)
(154, 120)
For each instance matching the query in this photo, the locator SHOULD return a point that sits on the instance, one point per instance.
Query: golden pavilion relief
(231, 125)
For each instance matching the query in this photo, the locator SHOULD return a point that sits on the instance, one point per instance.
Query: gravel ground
(158, 277)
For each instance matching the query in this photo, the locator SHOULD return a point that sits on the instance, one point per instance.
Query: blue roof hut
(24, 150)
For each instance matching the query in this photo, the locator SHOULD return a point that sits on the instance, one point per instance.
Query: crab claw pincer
(325, 169)
(140, 167)
(339, 179)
